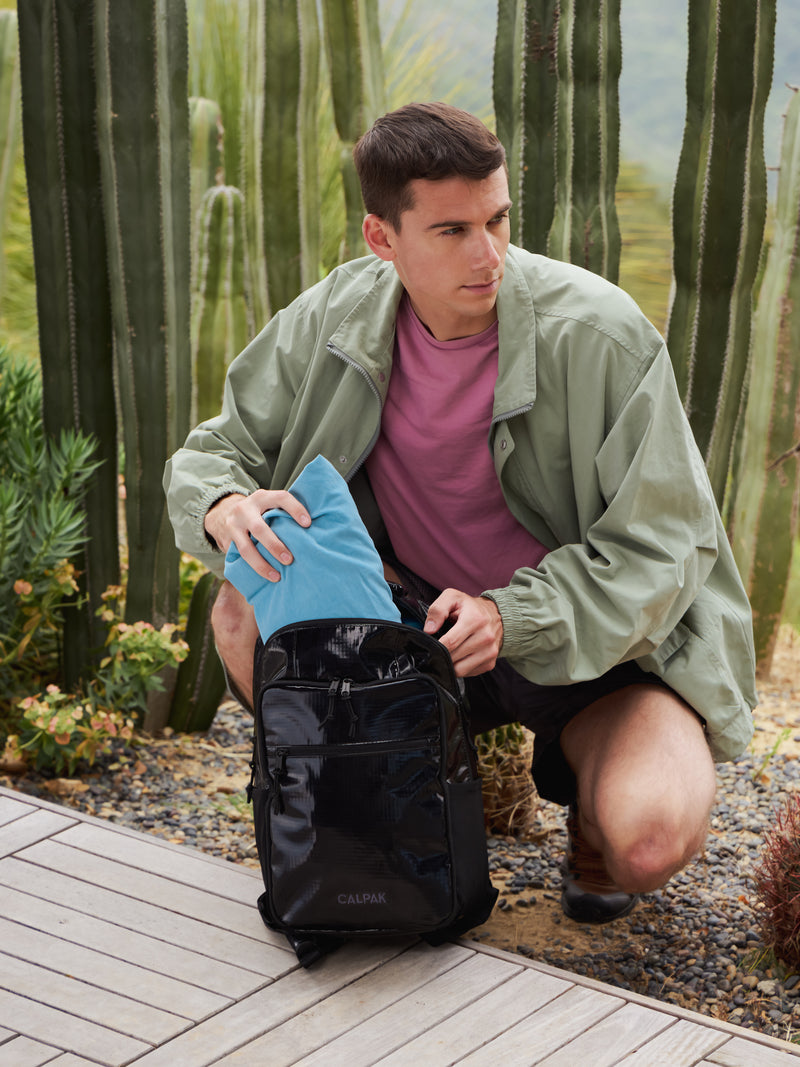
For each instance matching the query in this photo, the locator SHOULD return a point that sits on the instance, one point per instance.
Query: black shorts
(503, 695)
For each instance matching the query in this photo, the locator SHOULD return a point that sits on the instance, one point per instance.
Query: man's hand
(475, 640)
(234, 518)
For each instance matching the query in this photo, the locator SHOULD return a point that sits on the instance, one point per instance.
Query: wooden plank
(22, 832)
(74, 1035)
(321, 1023)
(185, 865)
(480, 1022)
(249, 953)
(141, 885)
(262, 1011)
(613, 1037)
(546, 1030)
(681, 1045)
(387, 1031)
(25, 1052)
(136, 948)
(99, 969)
(11, 809)
(739, 1052)
(69, 1059)
(103, 1006)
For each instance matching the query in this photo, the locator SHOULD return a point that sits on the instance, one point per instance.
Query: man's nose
(486, 251)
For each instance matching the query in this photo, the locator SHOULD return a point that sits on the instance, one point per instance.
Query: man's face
(450, 251)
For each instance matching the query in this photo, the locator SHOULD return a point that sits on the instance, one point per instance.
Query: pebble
(695, 943)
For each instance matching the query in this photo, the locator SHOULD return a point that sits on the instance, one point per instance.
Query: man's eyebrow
(446, 225)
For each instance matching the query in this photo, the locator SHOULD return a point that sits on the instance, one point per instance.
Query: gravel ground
(695, 943)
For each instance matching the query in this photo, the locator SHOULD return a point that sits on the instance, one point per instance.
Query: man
(511, 431)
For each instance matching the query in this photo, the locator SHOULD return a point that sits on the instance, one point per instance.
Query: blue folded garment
(337, 572)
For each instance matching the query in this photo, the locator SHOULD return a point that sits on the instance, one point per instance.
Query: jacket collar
(366, 334)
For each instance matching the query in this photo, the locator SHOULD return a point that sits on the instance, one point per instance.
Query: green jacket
(591, 446)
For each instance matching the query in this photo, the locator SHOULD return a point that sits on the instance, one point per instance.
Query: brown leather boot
(589, 895)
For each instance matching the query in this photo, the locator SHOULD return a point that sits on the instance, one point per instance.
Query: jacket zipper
(357, 366)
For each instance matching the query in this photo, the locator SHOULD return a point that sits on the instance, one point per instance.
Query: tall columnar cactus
(75, 334)
(278, 149)
(765, 517)
(355, 62)
(143, 128)
(524, 93)
(200, 684)
(719, 208)
(585, 228)
(9, 114)
(222, 323)
(206, 164)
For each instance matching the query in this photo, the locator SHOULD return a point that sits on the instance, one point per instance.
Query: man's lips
(484, 287)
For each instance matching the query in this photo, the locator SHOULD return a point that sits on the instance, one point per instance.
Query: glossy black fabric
(366, 798)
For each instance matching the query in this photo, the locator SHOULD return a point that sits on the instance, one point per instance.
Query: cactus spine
(355, 62)
(221, 320)
(75, 335)
(585, 228)
(143, 128)
(524, 93)
(765, 518)
(719, 207)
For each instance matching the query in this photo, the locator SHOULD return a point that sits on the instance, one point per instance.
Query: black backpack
(366, 798)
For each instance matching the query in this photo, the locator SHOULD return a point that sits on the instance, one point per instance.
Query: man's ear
(379, 237)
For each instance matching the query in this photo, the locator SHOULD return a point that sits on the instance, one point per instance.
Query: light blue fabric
(337, 572)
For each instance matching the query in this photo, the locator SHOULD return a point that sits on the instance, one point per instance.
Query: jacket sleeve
(235, 452)
(644, 539)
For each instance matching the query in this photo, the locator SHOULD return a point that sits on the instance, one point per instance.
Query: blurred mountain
(652, 86)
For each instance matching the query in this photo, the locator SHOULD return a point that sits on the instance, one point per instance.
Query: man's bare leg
(646, 783)
(235, 633)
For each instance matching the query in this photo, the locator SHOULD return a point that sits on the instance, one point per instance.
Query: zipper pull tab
(333, 691)
(351, 711)
(279, 774)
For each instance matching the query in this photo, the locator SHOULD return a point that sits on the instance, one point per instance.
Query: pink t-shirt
(431, 469)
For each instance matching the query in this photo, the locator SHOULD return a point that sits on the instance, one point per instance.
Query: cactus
(355, 62)
(765, 516)
(719, 207)
(75, 333)
(221, 320)
(9, 115)
(524, 94)
(143, 130)
(200, 684)
(279, 102)
(206, 162)
(510, 801)
(585, 228)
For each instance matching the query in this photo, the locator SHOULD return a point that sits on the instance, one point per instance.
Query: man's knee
(654, 849)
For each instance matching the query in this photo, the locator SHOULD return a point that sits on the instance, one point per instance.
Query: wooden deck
(120, 948)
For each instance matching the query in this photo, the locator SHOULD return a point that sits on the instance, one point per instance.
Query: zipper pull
(351, 711)
(277, 777)
(333, 690)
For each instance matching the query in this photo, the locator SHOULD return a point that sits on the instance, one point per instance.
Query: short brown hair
(432, 141)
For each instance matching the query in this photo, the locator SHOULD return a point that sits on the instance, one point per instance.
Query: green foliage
(43, 484)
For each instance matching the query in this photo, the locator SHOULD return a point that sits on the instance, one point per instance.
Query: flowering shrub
(59, 731)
